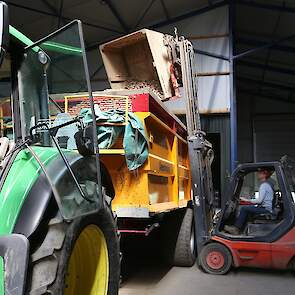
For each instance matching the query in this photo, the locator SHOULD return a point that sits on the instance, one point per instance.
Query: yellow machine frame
(162, 183)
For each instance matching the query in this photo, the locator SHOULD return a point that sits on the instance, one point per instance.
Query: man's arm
(245, 199)
(262, 193)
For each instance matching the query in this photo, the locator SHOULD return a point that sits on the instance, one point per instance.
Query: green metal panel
(52, 46)
(21, 37)
(21, 176)
(62, 48)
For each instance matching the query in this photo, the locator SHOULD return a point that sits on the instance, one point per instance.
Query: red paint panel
(264, 255)
(140, 102)
(146, 103)
(248, 254)
(283, 250)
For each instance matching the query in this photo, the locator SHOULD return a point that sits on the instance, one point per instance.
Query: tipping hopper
(137, 60)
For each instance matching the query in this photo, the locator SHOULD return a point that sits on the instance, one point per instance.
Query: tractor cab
(51, 194)
(33, 121)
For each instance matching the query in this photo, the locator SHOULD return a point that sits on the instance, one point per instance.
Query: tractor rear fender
(38, 199)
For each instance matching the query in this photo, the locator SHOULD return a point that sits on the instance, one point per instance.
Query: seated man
(262, 205)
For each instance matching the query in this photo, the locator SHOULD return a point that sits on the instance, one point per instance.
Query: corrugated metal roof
(257, 22)
(270, 72)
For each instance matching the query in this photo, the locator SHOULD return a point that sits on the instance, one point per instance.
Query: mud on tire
(48, 264)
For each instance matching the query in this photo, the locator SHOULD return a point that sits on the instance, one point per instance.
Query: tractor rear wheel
(215, 259)
(81, 257)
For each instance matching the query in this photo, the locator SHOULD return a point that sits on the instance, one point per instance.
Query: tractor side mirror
(4, 30)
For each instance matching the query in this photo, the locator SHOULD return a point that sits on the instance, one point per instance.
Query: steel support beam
(172, 20)
(192, 13)
(264, 46)
(117, 15)
(273, 7)
(212, 74)
(275, 69)
(233, 101)
(54, 10)
(165, 10)
(259, 43)
(206, 37)
(146, 10)
(96, 71)
(265, 95)
(267, 84)
(60, 13)
(49, 6)
(218, 56)
(63, 17)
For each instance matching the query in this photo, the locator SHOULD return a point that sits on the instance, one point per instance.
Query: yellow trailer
(158, 192)
(162, 183)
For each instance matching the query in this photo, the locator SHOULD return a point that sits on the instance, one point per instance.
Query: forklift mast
(200, 150)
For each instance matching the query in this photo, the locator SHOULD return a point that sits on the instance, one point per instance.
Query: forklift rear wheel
(215, 259)
(81, 257)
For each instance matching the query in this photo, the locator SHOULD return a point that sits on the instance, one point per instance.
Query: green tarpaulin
(134, 141)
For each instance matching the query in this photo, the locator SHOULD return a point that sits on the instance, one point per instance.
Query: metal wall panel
(265, 128)
(274, 137)
(213, 90)
(213, 96)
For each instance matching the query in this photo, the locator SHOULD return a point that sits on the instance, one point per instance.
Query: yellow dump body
(163, 182)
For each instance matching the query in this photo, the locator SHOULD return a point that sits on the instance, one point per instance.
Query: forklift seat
(270, 217)
(257, 218)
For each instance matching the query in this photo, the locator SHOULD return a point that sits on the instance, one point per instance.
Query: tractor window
(51, 69)
(49, 72)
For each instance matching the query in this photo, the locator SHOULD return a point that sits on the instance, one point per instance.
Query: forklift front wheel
(215, 259)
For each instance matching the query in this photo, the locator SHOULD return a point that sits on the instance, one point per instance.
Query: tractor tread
(46, 273)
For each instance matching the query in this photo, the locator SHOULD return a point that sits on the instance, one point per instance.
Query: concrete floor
(148, 276)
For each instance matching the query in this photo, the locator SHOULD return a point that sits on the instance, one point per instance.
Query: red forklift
(267, 240)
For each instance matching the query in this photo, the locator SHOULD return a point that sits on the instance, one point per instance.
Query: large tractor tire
(184, 253)
(80, 257)
(178, 238)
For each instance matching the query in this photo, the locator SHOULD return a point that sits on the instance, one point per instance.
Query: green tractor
(58, 234)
